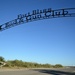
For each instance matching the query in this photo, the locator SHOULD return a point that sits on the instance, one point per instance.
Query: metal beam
(38, 15)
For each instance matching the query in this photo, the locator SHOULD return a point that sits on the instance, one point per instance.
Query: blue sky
(45, 41)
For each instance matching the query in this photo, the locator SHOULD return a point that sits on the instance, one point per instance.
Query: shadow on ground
(54, 72)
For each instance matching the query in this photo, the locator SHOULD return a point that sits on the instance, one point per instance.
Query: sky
(44, 41)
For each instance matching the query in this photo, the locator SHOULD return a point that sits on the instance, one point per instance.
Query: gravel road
(65, 71)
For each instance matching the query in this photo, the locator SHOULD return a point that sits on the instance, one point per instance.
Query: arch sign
(38, 15)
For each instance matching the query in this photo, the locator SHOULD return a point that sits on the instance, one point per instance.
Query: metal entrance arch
(38, 15)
